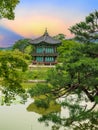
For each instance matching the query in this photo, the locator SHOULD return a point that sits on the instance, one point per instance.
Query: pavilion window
(39, 59)
(49, 50)
(39, 50)
(49, 59)
(52, 50)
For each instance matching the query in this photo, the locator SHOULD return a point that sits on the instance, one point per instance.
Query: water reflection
(53, 107)
(16, 117)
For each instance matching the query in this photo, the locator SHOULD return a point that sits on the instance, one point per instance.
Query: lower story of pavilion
(46, 60)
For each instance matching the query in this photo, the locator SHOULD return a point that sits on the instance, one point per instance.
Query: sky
(33, 16)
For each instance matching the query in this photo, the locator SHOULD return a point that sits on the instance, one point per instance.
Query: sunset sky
(33, 16)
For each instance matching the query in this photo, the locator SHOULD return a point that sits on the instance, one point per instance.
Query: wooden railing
(44, 63)
(45, 54)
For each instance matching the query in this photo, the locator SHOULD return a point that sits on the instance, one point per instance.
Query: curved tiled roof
(45, 38)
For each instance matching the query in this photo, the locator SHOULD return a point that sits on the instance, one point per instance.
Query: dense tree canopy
(76, 81)
(87, 31)
(7, 8)
(24, 46)
(60, 36)
(11, 64)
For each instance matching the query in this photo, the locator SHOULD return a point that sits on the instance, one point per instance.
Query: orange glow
(35, 26)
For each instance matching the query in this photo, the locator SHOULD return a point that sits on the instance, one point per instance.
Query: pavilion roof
(45, 38)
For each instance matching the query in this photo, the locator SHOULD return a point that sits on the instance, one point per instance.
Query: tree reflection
(75, 115)
(52, 107)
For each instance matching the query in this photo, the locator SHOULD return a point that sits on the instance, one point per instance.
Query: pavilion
(45, 49)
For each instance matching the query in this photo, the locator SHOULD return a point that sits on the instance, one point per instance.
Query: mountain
(8, 37)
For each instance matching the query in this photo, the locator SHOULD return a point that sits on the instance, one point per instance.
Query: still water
(16, 117)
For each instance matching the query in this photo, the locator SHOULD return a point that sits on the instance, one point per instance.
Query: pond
(16, 117)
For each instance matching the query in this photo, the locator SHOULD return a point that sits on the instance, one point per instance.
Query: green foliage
(76, 121)
(60, 37)
(87, 31)
(81, 63)
(7, 8)
(86, 126)
(40, 89)
(41, 103)
(35, 73)
(76, 80)
(44, 108)
(28, 85)
(68, 49)
(11, 63)
(23, 46)
(96, 99)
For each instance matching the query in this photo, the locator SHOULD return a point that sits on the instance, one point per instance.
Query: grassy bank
(35, 73)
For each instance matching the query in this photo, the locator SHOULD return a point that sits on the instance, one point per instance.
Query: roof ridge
(46, 38)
